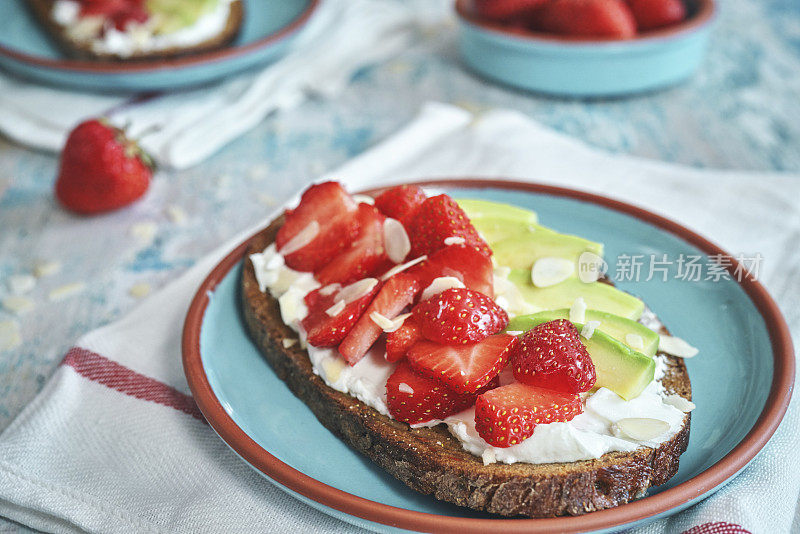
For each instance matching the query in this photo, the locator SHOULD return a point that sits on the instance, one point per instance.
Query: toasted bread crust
(433, 462)
(43, 9)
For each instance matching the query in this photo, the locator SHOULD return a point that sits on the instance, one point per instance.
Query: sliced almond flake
(333, 367)
(176, 214)
(356, 290)
(366, 199)
(144, 232)
(330, 289)
(10, 336)
(634, 341)
(336, 309)
(140, 290)
(514, 332)
(577, 312)
(454, 240)
(381, 320)
(44, 268)
(303, 238)
(396, 240)
(588, 329)
(591, 267)
(19, 284)
(18, 304)
(676, 346)
(397, 322)
(67, 290)
(642, 428)
(548, 272)
(400, 268)
(405, 388)
(440, 284)
(679, 402)
(488, 457)
(288, 342)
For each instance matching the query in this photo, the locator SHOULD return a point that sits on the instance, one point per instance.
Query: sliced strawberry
(412, 398)
(611, 19)
(459, 316)
(508, 415)
(473, 268)
(402, 339)
(327, 326)
(400, 202)
(463, 368)
(365, 256)
(328, 208)
(397, 292)
(506, 10)
(437, 219)
(552, 356)
(652, 14)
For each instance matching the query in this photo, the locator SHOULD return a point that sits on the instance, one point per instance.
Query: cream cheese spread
(141, 37)
(589, 435)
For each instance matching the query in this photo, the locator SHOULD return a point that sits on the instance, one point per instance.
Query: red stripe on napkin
(118, 377)
(719, 527)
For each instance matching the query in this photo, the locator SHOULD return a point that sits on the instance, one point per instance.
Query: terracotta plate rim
(123, 67)
(771, 416)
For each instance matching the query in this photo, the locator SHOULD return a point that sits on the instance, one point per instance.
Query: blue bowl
(558, 65)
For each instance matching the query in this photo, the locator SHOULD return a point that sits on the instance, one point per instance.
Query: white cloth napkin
(186, 127)
(114, 444)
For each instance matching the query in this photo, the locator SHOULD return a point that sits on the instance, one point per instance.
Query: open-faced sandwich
(113, 30)
(459, 346)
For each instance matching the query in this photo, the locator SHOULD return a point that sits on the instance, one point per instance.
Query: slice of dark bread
(433, 462)
(42, 9)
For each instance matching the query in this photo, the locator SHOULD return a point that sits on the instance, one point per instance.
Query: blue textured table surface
(742, 111)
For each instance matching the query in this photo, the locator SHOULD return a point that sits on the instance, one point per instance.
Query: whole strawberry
(652, 14)
(505, 10)
(101, 169)
(459, 316)
(605, 19)
(552, 356)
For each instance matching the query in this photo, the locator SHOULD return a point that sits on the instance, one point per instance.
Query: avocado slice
(597, 295)
(613, 325)
(520, 250)
(174, 15)
(619, 368)
(496, 221)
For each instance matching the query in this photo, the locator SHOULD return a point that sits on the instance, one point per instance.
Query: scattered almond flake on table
(676, 346)
(405, 388)
(548, 272)
(679, 402)
(454, 240)
(577, 312)
(588, 329)
(144, 232)
(366, 199)
(19, 284)
(67, 290)
(42, 268)
(381, 320)
(18, 304)
(634, 341)
(267, 200)
(10, 336)
(176, 214)
(303, 238)
(641, 428)
(398, 245)
(440, 284)
(288, 342)
(140, 290)
(336, 309)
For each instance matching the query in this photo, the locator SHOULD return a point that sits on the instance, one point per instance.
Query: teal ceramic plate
(26, 50)
(741, 379)
(580, 68)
